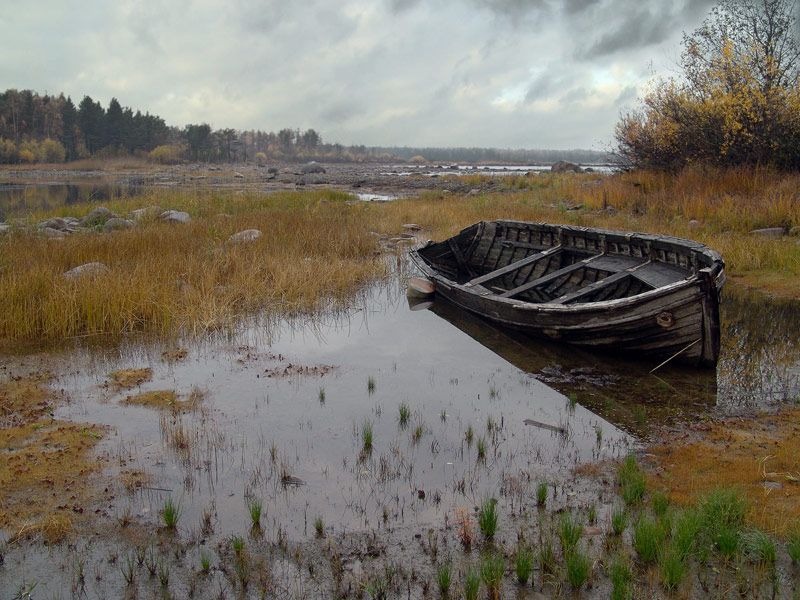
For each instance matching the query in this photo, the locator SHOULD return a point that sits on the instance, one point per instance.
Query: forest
(37, 128)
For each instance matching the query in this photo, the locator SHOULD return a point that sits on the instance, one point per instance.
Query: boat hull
(679, 320)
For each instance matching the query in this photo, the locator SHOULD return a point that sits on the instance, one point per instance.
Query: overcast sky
(490, 73)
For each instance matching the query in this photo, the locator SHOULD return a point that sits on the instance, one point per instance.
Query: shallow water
(264, 420)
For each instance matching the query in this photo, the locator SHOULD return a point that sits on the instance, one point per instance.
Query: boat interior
(543, 263)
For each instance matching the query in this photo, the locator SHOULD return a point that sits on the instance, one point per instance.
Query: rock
(411, 227)
(474, 192)
(248, 235)
(57, 223)
(98, 216)
(312, 167)
(4, 227)
(116, 224)
(695, 224)
(52, 233)
(794, 231)
(92, 269)
(272, 171)
(175, 216)
(590, 530)
(140, 214)
(238, 175)
(773, 232)
(563, 166)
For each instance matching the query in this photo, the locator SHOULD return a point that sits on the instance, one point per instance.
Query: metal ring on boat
(665, 319)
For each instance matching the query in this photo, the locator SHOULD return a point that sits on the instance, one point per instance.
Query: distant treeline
(49, 128)
(498, 155)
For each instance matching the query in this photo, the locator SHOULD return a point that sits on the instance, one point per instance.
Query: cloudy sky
(490, 73)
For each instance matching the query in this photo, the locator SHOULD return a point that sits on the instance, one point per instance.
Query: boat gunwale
(714, 270)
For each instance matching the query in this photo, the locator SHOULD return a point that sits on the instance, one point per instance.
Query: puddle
(283, 411)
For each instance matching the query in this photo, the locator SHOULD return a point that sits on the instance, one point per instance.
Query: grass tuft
(171, 513)
(487, 518)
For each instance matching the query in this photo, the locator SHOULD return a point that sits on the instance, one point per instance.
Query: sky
(550, 74)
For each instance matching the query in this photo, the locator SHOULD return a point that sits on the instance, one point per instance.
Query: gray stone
(795, 231)
(773, 232)
(140, 214)
(563, 166)
(272, 170)
(695, 224)
(248, 235)
(238, 175)
(474, 192)
(175, 216)
(92, 269)
(117, 224)
(4, 227)
(98, 216)
(411, 227)
(312, 167)
(58, 223)
(52, 233)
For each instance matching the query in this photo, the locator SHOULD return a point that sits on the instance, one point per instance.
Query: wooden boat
(652, 295)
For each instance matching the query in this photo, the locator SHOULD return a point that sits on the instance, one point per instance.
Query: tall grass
(317, 249)
(166, 278)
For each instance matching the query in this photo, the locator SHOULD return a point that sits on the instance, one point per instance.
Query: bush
(53, 151)
(261, 159)
(8, 152)
(166, 155)
(737, 100)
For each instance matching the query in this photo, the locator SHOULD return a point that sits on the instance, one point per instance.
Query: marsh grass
(621, 576)
(631, 480)
(404, 414)
(578, 567)
(487, 518)
(524, 561)
(570, 528)
(648, 535)
(793, 544)
(492, 568)
(444, 578)
(472, 583)
(619, 520)
(541, 493)
(171, 513)
(254, 509)
(672, 567)
(367, 435)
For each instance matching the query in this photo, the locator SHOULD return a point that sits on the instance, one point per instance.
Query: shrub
(167, 155)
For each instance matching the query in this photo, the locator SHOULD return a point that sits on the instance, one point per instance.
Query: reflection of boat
(651, 295)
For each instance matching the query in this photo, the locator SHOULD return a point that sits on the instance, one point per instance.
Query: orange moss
(128, 378)
(44, 464)
(155, 399)
(759, 455)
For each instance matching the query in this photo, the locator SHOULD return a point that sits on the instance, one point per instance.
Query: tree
(737, 102)
(91, 121)
(69, 128)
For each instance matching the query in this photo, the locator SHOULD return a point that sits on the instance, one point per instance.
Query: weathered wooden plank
(549, 277)
(598, 285)
(524, 262)
(658, 274)
(462, 263)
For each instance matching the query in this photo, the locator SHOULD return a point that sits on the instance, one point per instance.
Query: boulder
(55, 223)
(175, 216)
(4, 227)
(140, 214)
(92, 269)
(411, 227)
(773, 232)
(98, 216)
(116, 224)
(695, 224)
(312, 167)
(272, 170)
(563, 166)
(248, 235)
(52, 233)
(795, 231)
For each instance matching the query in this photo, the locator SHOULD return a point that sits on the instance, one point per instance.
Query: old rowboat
(651, 295)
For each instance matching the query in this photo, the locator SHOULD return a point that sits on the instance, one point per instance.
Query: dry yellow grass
(317, 249)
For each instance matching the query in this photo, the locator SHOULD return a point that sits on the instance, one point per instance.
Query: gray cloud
(469, 72)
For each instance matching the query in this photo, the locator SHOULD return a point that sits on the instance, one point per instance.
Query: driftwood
(555, 428)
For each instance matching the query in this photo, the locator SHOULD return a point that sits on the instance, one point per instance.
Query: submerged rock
(248, 235)
(92, 269)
